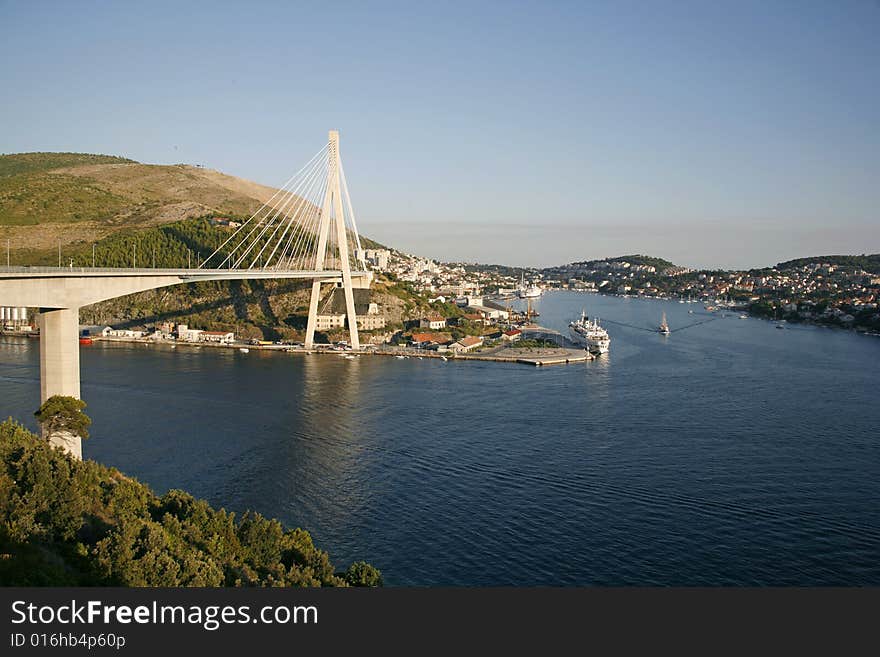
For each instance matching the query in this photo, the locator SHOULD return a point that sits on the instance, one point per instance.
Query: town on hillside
(460, 307)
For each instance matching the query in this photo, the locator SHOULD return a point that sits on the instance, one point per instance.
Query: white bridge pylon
(307, 225)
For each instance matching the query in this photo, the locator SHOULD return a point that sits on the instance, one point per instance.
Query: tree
(361, 573)
(60, 414)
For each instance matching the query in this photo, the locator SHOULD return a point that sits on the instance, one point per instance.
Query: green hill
(870, 263)
(72, 523)
(77, 199)
(648, 261)
(20, 163)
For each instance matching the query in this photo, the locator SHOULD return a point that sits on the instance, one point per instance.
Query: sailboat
(664, 327)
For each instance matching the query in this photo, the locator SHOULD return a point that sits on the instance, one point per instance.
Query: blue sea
(727, 453)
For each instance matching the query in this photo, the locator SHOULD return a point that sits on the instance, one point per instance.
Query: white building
(329, 321)
(187, 334)
(466, 344)
(434, 322)
(488, 313)
(377, 258)
(221, 337)
(110, 332)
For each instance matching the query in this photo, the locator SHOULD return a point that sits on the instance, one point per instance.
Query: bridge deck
(183, 274)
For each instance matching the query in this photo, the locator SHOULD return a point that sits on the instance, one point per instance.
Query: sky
(714, 134)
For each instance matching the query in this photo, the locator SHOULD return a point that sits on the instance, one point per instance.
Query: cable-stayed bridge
(306, 230)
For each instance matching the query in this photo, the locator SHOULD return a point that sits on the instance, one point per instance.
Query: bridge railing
(27, 269)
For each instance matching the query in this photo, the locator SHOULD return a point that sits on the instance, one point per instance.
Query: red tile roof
(439, 338)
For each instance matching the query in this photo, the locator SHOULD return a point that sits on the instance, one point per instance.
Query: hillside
(870, 263)
(78, 199)
(72, 523)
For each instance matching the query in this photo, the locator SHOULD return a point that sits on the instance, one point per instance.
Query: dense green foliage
(869, 263)
(648, 261)
(34, 198)
(181, 244)
(60, 413)
(499, 270)
(28, 197)
(67, 522)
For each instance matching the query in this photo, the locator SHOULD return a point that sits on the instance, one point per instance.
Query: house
(370, 322)
(187, 334)
(327, 321)
(466, 344)
(433, 321)
(165, 330)
(473, 317)
(426, 340)
(512, 335)
(469, 300)
(110, 332)
(488, 313)
(221, 337)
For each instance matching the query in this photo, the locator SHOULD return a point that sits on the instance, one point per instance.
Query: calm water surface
(726, 453)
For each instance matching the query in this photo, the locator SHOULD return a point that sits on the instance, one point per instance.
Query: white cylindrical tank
(3, 314)
(14, 315)
(22, 314)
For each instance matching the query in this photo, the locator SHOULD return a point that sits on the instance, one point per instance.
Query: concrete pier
(59, 365)
(59, 353)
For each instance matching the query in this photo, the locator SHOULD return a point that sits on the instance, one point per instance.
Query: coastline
(505, 354)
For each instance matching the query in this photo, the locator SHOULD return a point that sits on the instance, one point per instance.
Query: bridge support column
(313, 314)
(59, 365)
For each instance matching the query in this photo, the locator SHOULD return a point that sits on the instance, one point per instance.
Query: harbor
(544, 347)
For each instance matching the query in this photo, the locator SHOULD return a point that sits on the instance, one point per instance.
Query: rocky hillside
(78, 199)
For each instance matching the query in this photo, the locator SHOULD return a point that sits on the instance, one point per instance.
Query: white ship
(588, 333)
(664, 327)
(527, 291)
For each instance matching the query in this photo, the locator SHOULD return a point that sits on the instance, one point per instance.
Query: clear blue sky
(712, 133)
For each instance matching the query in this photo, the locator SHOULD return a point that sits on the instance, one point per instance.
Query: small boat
(401, 357)
(743, 316)
(85, 340)
(780, 326)
(350, 357)
(444, 357)
(244, 350)
(690, 312)
(664, 327)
